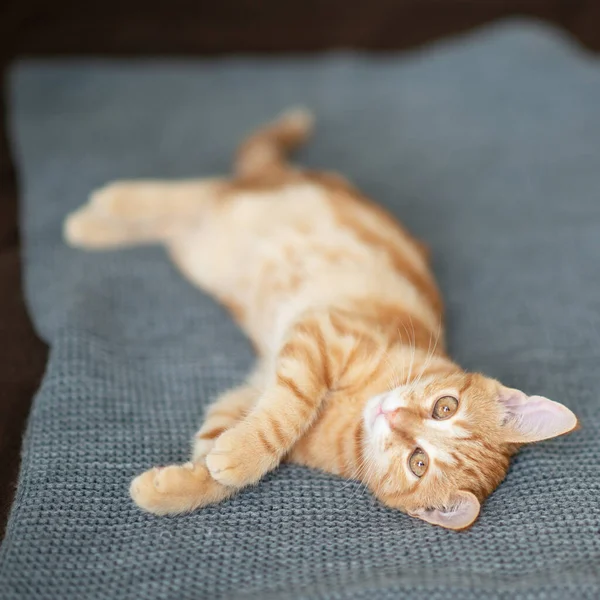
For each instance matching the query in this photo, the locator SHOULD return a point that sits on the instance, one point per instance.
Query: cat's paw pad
(175, 489)
(238, 457)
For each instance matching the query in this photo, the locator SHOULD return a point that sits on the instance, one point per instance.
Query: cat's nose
(392, 418)
(400, 418)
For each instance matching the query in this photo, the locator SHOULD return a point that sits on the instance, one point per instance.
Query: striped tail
(265, 151)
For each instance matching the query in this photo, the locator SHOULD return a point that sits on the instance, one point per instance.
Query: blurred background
(37, 28)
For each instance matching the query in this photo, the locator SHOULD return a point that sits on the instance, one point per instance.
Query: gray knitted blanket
(488, 147)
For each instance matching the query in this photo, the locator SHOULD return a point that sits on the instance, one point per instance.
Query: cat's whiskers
(394, 380)
(402, 376)
(357, 478)
(429, 356)
(371, 468)
(412, 348)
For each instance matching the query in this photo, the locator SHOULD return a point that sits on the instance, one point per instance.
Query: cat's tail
(265, 151)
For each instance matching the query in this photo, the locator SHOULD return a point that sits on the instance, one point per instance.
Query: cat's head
(438, 448)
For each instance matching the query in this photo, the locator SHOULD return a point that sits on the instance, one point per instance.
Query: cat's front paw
(176, 489)
(241, 456)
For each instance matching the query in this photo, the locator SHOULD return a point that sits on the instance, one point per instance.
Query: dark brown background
(175, 27)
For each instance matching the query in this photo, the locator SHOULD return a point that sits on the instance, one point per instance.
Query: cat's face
(438, 448)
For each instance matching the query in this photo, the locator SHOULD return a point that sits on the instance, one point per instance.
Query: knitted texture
(488, 147)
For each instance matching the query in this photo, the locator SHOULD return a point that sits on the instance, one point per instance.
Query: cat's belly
(283, 279)
(271, 257)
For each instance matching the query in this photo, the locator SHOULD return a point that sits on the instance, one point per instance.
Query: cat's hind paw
(176, 489)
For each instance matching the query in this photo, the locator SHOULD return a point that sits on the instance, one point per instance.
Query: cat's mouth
(375, 415)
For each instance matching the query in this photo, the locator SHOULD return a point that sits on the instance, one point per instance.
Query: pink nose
(388, 415)
(391, 417)
(401, 418)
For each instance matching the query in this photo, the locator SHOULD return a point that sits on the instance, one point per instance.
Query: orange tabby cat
(338, 298)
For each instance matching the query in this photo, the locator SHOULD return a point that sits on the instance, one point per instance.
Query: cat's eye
(445, 407)
(418, 462)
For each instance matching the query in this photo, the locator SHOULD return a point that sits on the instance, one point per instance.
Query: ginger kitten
(352, 376)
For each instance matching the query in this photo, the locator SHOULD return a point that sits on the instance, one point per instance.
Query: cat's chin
(376, 425)
(371, 411)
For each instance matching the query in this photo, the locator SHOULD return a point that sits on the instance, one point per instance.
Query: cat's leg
(137, 212)
(286, 408)
(183, 488)
(222, 415)
(155, 199)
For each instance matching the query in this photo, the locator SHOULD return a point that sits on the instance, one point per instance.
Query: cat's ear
(533, 418)
(461, 512)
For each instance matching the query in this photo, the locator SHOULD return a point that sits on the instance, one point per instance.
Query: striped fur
(347, 321)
